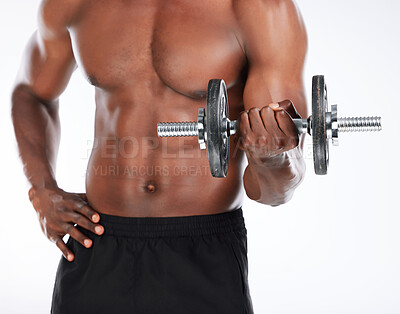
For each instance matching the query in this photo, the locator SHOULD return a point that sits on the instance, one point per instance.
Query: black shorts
(188, 265)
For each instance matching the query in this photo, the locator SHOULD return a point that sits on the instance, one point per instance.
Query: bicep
(265, 86)
(46, 71)
(48, 61)
(276, 43)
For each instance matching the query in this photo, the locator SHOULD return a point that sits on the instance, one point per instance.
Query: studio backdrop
(334, 248)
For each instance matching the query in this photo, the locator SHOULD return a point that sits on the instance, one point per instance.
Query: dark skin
(150, 62)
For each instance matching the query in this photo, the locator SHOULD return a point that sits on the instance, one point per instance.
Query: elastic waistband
(173, 226)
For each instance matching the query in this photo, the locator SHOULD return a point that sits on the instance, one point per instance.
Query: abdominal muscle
(133, 173)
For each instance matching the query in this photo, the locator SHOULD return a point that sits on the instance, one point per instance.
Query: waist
(181, 226)
(162, 187)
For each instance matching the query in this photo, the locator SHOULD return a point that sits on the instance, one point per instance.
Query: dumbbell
(213, 130)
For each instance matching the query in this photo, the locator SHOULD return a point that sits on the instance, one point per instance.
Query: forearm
(274, 180)
(37, 131)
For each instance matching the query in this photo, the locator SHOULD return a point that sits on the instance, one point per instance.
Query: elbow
(18, 97)
(25, 92)
(24, 99)
(20, 91)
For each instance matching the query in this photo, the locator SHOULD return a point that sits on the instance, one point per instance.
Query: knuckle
(286, 104)
(50, 229)
(69, 228)
(85, 223)
(77, 203)
(79, 219)
(249, 141)
(243, 115)
(242, 120)
(60, 209)
(283, 113)
(279, 143)
(53, 238)
(64, 215)
(262, 140)
(240, 142)
(294, 142)
(89, 212)
(254, 111)
(265, 110)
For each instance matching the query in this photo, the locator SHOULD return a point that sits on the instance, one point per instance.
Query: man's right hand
(59, 211)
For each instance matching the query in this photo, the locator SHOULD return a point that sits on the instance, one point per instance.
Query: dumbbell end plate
(216, 124)
(318, 125)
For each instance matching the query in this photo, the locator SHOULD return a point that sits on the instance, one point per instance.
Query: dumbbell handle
(179, 129)
(356, 124)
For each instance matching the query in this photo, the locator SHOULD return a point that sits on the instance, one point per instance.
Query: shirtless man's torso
(150, 61)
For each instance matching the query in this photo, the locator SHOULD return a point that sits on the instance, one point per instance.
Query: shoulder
(278, 15)
(55, 16)
(266, 24)
(283, 8)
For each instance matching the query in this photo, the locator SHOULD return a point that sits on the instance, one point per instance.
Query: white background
(333, 249)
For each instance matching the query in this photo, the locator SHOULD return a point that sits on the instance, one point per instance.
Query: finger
(83, 196)
(270, 123)
(81, 220)
(244, 123)
(78, 236)
(87, 211)
(288, 127)
(256, 123)
(244, 129)
(65, 250)
(276, 136)
(286, 123)
(288, 106)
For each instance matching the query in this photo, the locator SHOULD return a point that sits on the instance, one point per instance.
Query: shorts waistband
(173, 226)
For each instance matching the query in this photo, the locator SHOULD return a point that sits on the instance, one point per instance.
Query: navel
(150, 187)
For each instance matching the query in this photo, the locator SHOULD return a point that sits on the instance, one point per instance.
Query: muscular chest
(183, 44)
